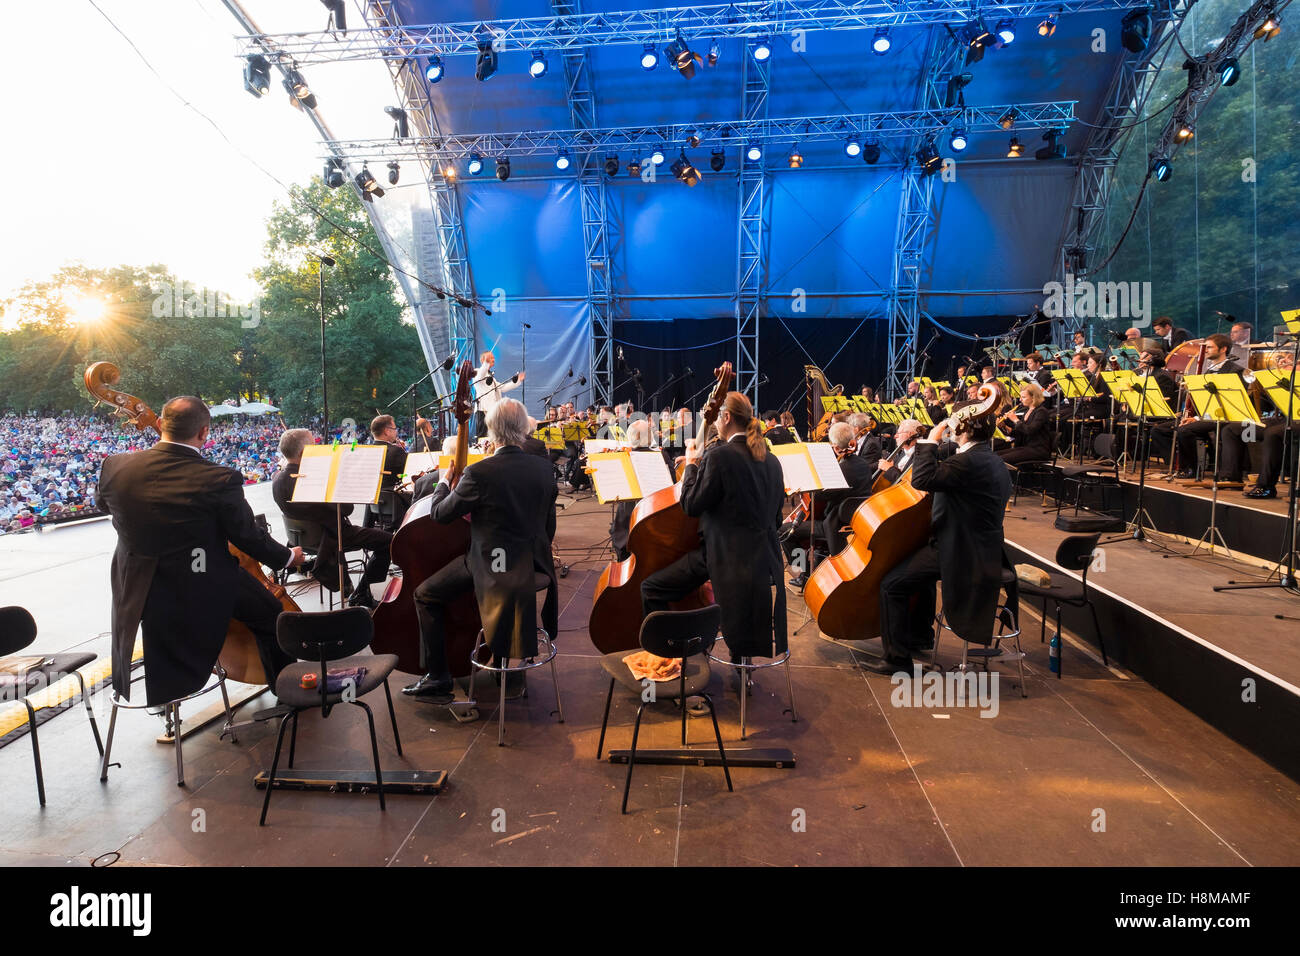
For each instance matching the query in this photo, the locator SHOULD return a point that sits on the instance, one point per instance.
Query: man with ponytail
(736, 490)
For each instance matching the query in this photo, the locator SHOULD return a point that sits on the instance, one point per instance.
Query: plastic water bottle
(1054, 653)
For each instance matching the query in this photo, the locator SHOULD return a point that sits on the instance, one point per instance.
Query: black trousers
(431, 599)
(798, 540)
(1272, 437)
(1227, 464)
(375, 541)
(674, 582)
(1018, 456)
(257, 608)
(907, 604)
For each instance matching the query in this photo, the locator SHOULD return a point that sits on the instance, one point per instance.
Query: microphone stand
(654, 396)
(546, 402)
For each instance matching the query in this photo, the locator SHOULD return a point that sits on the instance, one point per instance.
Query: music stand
(1146, 403)
(1116, 380)
(1219, 398)
(1074, 386)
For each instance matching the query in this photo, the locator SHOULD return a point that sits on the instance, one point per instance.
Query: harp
(818, 388)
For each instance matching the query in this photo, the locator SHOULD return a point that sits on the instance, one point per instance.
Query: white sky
(103, 165)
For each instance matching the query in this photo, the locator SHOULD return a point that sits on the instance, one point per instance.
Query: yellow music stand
(1277, 386)
(1220, 398)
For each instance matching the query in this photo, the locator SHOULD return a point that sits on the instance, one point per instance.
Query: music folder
(1221, 397)
(340, 474)
(627, 475)
(809, 466)
(1277, 386)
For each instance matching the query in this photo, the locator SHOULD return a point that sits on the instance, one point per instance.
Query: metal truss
(563, 31)
(597, 238)
(1124, 103)
(906, 124)
(452, 325)
(916, 215)
(754, 232)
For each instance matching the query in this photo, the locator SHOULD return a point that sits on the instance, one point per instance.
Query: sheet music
(797, 472)
(359, 474)
(611, 479)
(651, 472)
(313, 477)
(594, 446)
(419, 461)
(826, 465)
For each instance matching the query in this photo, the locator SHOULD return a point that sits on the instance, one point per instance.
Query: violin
(422, 547)
(659, 533)
(239, 657)
(843, 591)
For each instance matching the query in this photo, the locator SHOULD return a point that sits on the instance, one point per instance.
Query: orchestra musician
(736, 489)
(787, 421)
(510, 499)
(1031, 432)
(865, 441)
(489, 390)
(1079, 340)
(1164, 329)
(384, 431)
(172, 574)
(777, 433)
(859, 472)
(1190, 429)
(971, 489)
(933, 407)
(375, 540)
(1041, 377)
(1240, 334)
(1154, 359)
(900, 459)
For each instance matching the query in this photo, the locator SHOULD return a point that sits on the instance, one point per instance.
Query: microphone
(689, 372)
(326, 260)
(448, 362)
(570, 375)
(620, 353)
(582, 380)
(525, 325)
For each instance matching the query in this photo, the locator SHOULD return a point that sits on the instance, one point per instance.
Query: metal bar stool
(1008, 629)
(546, 645)
(746, 667)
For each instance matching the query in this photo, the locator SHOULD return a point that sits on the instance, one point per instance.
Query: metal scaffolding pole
(753, 232)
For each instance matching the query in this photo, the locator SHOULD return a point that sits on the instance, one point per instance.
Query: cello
(843, 592)
(239, 657)
(659, 533)
(422, 547)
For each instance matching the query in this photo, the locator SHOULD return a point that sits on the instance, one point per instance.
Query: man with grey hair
(866, 444)
(326, 570)
(909, 430)
(638, 436)
(510, 500)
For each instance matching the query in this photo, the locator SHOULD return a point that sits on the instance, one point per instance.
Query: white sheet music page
(360, 472)
(797, 473)
(827, 466)
(419, 461)
(652, 472)
(610, 480)
(313, 478)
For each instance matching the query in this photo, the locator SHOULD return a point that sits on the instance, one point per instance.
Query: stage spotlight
(634, 167)
(1015, 150)
(401, 128)
(852, 148)
(338, 15)
(1161, 168)
(1006, 31)
(680, 57)
(366, 183)
(958, 140)
(538, 65)
(953, 96)
(1008, 119)
(683, 170)
(1048, 26)
(714, 52)
(657, 157)
(718, 160)
(693, 139)
(1055, 149)
(300, 95)
(649, 58)
(562, 159)
(928, 158)
(871, 153)
(433, 69)
(334, 173)
(1229, 71)
(1135, 30)
(977, 38)
(394, 172)
(880, 42)
(795, 159)
(257, 75)
(485, 66)
(503, 168)
(475, 165)
(1184, 132)
(753, 152)
(762, 49)
(1270, 28)
(611, 165)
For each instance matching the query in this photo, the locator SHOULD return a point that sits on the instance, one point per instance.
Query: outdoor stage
(875, 784)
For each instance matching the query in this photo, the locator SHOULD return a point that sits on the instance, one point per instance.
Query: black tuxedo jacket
(779, 435)
(510, 499)
(860, 473)
(738, 501)
(970, 491)
(1034, 432)
(172, 574)
(394, 464)
(319, 513)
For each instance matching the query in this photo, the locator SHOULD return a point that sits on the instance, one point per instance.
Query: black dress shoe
(1258, 492)
(798, 581)
(888, 665)
(362, 597)
(1185, 473)
(432, 689)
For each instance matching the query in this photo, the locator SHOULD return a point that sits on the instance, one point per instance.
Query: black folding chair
(1073, 554)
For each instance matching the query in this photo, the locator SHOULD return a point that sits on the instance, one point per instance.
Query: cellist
(971, 489)
(736, 489)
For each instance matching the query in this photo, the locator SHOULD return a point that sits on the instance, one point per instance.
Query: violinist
(971, 489)
(736, 489)
(933, 406)
(797, 538)
(1031, 430)
(787, 422)
(900, 459)
(777, 433)
(866, 439)
(172, 575)
(384, 431)
(510, 499)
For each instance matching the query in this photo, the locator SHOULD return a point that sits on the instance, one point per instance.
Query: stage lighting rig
(538, 66)
(334, 177)
(1016, 149)
(611, 165)
(977, 38)
(852, 148)
(718, 160)
(714, 52)
(649, 58)
(634, 167)
(685, 171)
(928, 158)
(257, 75)
(1229, 71)
(562, 160)
(401, 127)
(753, 152)
(1006, 31)
(954, 97)
(680, 57)
(657, 157)
(338, 15)
(503, 168)
(693, 139)
(1135, 30)
(762, 49)
(958, 140)
(394, 173)
(880, 43)
(1008, 119)
(433, 69)
(871, 153)
(485, 65)
(475, 164)
(1161, 168)
(1270, 28)
(1055, 149)
(1047, 26)
(795, 159)
(366, 183)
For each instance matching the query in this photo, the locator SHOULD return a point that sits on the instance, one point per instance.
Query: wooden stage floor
(875, 784)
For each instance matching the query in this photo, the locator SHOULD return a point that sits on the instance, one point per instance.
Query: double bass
(238, 657)
(659, 533)
(422, 547)
(843, 591)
